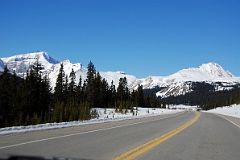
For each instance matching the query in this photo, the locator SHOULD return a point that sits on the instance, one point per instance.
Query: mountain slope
(180, 82)
(21, 63)
(206, 72)
(176, 84)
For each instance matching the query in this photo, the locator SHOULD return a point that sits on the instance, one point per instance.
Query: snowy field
(233, 111)
(104, 116)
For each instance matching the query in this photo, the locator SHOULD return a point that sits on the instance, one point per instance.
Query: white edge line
(222, 116)
(74, 134)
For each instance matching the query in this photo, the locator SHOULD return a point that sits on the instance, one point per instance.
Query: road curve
(209, 137)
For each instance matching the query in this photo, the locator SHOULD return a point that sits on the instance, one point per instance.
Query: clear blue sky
(140, 37)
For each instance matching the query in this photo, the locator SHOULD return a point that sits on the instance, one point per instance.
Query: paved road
(183, 136)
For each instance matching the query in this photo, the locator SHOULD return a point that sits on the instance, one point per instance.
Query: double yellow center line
(144, 148)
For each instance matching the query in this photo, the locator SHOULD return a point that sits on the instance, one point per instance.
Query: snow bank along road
(187, 136)
(104, 116)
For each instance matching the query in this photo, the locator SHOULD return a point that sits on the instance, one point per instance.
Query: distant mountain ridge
(176, 84)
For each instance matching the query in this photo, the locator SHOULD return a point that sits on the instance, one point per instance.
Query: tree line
(31, 100)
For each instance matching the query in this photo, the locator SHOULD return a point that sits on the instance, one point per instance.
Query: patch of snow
(233, 110)
(104, 116)
(175, 89)
(151, 82)
(224, 86)
(183, 107)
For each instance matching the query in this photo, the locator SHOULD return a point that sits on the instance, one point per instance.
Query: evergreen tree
(97, 92)
(72, 84)
(112, 95)
(140, 96)
(5, 97)
(59, 85)
(90, 90)
(91, 73)
(65, 89)
(122, 94)
(45, 96)
(79, 91)
(104, 94)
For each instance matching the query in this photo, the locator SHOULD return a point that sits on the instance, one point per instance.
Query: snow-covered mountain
(176, 84)
(180, 82)
(22, 62)
(206, 72)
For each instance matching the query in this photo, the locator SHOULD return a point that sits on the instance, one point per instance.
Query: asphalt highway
(182, 136)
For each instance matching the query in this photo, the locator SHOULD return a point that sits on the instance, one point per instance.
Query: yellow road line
(142, 149)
